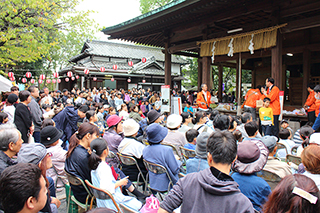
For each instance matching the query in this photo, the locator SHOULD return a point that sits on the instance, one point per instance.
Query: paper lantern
(129, 80)
(77, 77)
(59, 80)
(42, 77)
(32, 81)
(12, 78)
(102, 69)
(48, 81)
(56, 75)
(112, 79)
(10, 74)
(28, 74)
(130, 63)
(144, 81)
(69, 74)
(24, 80)
(54, 81)
(40, 81)
(94, 78)
(66, 79)
(73, 78)
(144, 60)
(86, 71)
(115, 67)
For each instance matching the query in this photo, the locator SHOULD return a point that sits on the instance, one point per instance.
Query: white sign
(165, 98)
(176, 105)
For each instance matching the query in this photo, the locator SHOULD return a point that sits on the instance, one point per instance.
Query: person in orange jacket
(251, 101)
(203, 98)
(310, 104)
(272, 92)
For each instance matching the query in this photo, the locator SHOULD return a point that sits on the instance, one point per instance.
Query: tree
(148, 5)
(191, 73)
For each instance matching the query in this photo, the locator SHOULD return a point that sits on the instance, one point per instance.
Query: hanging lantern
(59, 80)
(102, 69)
(54, 81)
(94, 78)
(56, 75)
(32, 81)
(42, 77)
(112, 79)
(144, 60)
(77, 77)
(66, 79)
(73, 78)
(129, 80)
(12, 78)
(86, 71)
(130, 63)
(28, 74)
(48, 81)
(24, 80)
(143, 80)
(40, 81)
(69, 74)
(10, 74)
(115, 67)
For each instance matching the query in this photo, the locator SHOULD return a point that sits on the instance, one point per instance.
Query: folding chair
(187, 153)
(271, 178)
(125, 209)
(294, 150)
(281, 146)
(129, 161)
(294, 159)
(73, 180)
(158, 169)
(175, 150)
(59, 177)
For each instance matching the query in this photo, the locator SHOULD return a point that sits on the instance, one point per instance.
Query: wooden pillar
(239, 83)
(276, 61)
(199, 73)
(253, 78)
(306, 73)
(207, 72)
(220, 67)
(167, 65)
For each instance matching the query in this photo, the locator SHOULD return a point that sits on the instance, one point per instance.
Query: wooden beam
(220, 67)
(276, 62)
(207, 72)
(303, 8)
(183, 47)
(187, 54)
(167, 66)
(301, 24)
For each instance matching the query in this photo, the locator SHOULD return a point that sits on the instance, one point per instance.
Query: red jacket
(251, 98)
(311, 102)
(274, 99)
(201, 99)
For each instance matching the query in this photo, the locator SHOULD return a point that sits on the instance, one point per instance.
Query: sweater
(36, 113)
(266, 116)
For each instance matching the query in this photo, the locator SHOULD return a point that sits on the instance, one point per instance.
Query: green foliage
(148, 5)
(191, 73)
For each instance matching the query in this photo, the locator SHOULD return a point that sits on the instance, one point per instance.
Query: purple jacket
(113, 139)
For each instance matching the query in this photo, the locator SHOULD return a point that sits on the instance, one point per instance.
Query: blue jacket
(316, 124)
(164, 156)
(196, 164)
(67, 121)
(143, 124)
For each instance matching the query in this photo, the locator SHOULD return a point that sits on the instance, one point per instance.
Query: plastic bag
(151, 206)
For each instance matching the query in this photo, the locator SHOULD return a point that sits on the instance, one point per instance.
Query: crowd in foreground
(45, 135)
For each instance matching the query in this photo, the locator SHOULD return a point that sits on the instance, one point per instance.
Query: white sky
(110, 12)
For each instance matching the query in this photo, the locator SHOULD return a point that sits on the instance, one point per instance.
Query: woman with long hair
(124, 112)
(199, 122)
(134, 113)
(311, 160)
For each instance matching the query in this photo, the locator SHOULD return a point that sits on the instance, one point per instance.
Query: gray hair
(8, 133)
(202, 85)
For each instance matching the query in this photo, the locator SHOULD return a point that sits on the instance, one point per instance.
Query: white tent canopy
(5, 84)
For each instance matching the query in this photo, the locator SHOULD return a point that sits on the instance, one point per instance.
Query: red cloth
(115, 175)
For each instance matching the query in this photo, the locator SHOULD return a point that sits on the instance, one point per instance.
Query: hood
(214, 186)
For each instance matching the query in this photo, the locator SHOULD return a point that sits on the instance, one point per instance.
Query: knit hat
(153, 115)
(156, 133)
(174, 121)
(113, 120)
(269, 141)
(252, 156)
(201, 147)
(12, 98)
(50, 135)
(32, 153)
(130, 127)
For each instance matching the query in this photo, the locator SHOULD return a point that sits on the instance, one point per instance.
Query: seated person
(175, 137)
(284, 135)
(215, 191)
(274, 165)
(305, 133)
(199, 162)
(130, 146)
(191, 136)
(285, 125)
(246, 118)
(160, 154)
(188, 108)
(252, 157)
(221, 122)
(252, 131)
(311, 160)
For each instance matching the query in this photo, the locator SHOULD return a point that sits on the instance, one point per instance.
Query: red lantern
(77, 77)
(115, 67)
(129, 80)
(69, 74)
(28, 74)
(48, 81)
(42, 77)
(59, 80)
(112, 79)
(72, 78)
(144, 60)
(54, 81)
(143, 80)
(24, 80)
(12, 78)
(32, 81)
(86, 71)
(40, 81)
(130, 63)
(56, 75)
(94, 78)
(10, 74)
(66, 79)
(102, 69)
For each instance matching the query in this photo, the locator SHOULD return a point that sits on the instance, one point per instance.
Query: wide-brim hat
(114, 120)
(130, 127)
(50, 135)
(156, 133)
(252, 156)
(152, 116)
(174, 121)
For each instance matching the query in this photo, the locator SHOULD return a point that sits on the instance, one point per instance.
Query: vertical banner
(176, 105)
(165, 98)
(281, 98)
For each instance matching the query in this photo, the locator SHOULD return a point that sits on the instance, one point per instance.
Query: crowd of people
(46, 134)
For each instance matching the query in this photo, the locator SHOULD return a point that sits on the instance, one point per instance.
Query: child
(191, 136)
(284, 136)
(103, 176)
(266, 117)
(252, 130)
(188, 108)
(285, 125)
(3, 118)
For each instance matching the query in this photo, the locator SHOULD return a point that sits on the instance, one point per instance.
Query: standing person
(47, 99)
(250, 101)
(36, 112)
(266, 117)
(273, 94)
(158, 104)
(204, 98)
(316, 124)
(310, 104)
(9, 107)
(23, 117)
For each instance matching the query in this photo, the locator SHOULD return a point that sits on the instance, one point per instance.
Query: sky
(110, 12)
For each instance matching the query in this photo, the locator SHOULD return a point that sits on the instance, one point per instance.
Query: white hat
(130, 127)
(174, 121)
(315, 138)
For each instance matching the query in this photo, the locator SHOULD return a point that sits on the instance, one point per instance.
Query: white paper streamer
(213, 48)
(251, 47)
(230, 53)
